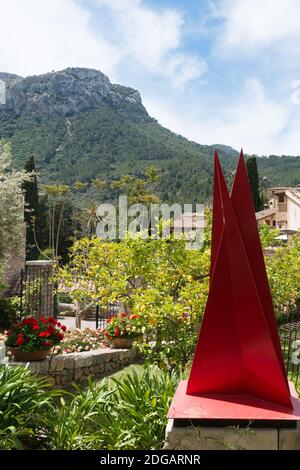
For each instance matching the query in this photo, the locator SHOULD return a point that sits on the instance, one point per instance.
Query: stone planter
(22, 356)
(125, 343)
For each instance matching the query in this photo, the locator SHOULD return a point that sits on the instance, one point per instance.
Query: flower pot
(125, 343)
(21, 356)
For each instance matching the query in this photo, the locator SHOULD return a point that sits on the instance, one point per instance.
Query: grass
(120, 374)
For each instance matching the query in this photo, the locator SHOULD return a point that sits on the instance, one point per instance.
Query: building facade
(283, 211)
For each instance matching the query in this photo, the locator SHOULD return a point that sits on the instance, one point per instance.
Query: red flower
(123, 315)
(117, 331)
(35, 327)
(59, 336)
(29, 321)
(43, 334)
(63, 327)
(9, 333)
(47, 343)
(133, 316)
(20, 341)
(50, 330)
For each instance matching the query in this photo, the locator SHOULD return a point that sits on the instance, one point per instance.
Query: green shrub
(25, 408)
(126, 413)
(139, 409)
(77, 422)
(9, 311)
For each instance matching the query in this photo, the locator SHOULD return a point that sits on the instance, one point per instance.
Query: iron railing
(103, 313)
(37, 290)
(289, 335)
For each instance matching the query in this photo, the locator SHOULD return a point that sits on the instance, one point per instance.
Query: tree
(11, 204)
(251, 165)
(32, 210)
(157, 279)
(57, 198)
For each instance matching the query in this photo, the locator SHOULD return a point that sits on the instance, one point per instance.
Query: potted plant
(32, 339)
(123, 330)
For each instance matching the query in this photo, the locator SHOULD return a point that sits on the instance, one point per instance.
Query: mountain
(80, 126)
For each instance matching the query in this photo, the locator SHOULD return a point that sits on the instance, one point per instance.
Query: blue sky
(215, 71)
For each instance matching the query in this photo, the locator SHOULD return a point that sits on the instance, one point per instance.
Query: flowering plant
(123, 326)
(80, 340)
(35, 334)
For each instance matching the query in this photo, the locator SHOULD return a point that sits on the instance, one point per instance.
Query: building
(283, 211)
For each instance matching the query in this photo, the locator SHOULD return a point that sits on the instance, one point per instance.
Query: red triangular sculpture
(242, 202)
(237, 350)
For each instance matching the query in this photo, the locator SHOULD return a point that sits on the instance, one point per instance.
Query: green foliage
(126, 413)
(158, 279)
(25, 408)
(123, 326)
(284, 276)
(254, 182)
(77, 422)
(268, 236)
(32, 213)
(9, 311)
(11, 205)
(104, 143)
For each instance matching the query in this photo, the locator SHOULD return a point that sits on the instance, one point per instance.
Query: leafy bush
(284, 277)
(9, 311)
(77, 423)
(129, 413)
(157, 279)
(25, 408)
(139, 407)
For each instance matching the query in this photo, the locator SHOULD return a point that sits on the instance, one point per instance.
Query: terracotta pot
(21, 356)
(125, 343)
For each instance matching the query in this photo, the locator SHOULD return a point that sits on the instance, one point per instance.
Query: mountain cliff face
(80, 126)
(68, 92)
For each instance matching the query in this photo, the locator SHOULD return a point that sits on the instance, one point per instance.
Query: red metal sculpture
(238, 350)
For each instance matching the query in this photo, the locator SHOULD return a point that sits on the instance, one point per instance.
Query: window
(281, 198)
(274, 223)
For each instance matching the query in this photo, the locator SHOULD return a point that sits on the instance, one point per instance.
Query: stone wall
(231, 438)
(65, 369)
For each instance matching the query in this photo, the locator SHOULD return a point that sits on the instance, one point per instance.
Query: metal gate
(103, 313)
(37, 290)
(290, 343)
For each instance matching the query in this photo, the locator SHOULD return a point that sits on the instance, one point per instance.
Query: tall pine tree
(254, 182)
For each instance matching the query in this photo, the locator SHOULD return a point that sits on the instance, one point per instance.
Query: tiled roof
(265, 213)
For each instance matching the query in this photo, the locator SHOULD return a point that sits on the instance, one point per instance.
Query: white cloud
(184, 68)
(38, 36)
(252, 121)
(253, 24)
(151, 37)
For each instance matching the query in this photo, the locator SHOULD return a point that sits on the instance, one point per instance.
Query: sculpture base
(220, 422)
(225, 410)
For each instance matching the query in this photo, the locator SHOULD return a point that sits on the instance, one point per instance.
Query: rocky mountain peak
(68, 92)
